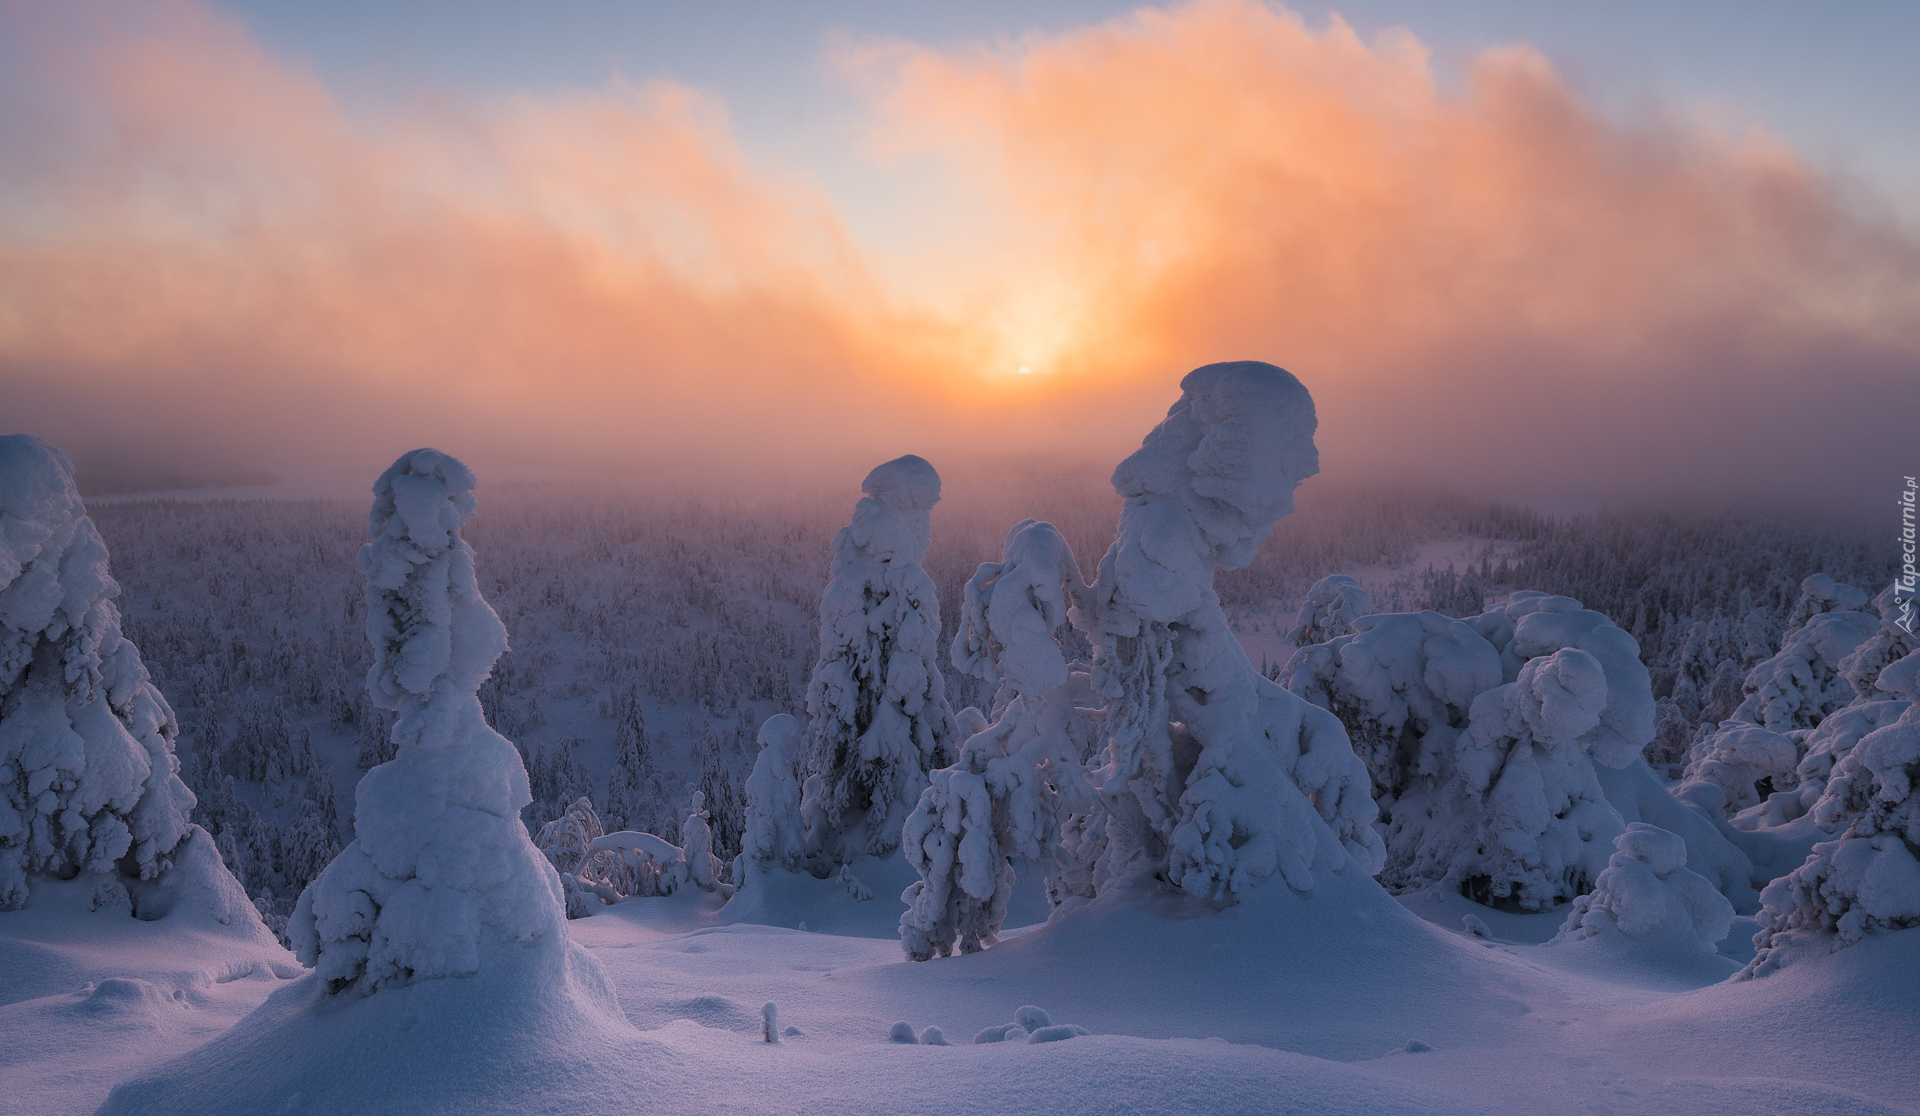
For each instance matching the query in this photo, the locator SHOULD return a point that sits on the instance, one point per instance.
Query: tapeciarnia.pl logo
(1903, 583)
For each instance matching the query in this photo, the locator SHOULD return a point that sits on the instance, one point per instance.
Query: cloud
(203, 255)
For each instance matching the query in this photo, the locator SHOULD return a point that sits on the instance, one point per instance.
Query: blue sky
(1839, 81)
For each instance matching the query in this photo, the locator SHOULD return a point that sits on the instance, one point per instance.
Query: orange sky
(204, 257)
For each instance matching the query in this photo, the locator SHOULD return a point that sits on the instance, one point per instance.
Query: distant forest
(650, 638)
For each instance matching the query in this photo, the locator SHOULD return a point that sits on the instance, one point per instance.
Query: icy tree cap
(424, 498)
(782, 731)
(1659, 850)
(904, 484)
(1822, 589)
(425, 615)
(1231, 450)
(891, 522)
(34, 477)
(1901, 678)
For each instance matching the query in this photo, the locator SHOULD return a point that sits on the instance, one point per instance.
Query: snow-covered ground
(1342, 1003)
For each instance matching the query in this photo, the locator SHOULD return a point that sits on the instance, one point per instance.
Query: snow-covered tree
(1883, 647)
(696, 842)
(773, 833)
(1866, 881)
(1646, 893)
(1745, 762)
(441, 875)
(88, 778)
(1524, 819)
(1331, 607)
(1402, 684)
(1212, 775)
(877, 714)
(1803, 682)
(1016, 776)
(1531, 625)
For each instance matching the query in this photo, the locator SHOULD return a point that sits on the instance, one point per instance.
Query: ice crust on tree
(877, 713)
(1331, 607)
(1212, 774)
(88, 777)
(1646, 893)
(441, 874)
(1016, 777)
(1866, 881)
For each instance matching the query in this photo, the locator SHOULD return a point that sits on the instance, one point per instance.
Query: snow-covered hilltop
(1426, 848)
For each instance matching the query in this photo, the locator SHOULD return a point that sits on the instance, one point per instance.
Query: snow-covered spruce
(1403, 685)
(1866, 881)
(1331, 607)
(1524, 820)
(1211, 774)
(877, 714)
(441, 874)
(1803, 682)
(1882, 648)
(1646, 893)
(773, 833)
(88, 778)
(1004, 796)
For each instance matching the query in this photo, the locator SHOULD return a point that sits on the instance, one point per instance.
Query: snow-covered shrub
(1866, 881)
(1803, 682)
(88, 778)
(1746, 762)
(1015, 777)
(773, 833)
(1331, 607)
(441, 873)
(1646, 893)
(877, 714)
(1212, 775)
(1524, 820)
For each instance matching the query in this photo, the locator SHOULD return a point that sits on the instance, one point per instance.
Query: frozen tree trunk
(1212, 777)
(88, 778)
(441, 876)
(878, 719)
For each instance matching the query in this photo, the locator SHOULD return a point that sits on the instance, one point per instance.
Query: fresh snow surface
(1340, 1002)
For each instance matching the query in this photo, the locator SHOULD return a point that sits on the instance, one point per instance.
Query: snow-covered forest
(1616, 808)
(650, 639)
